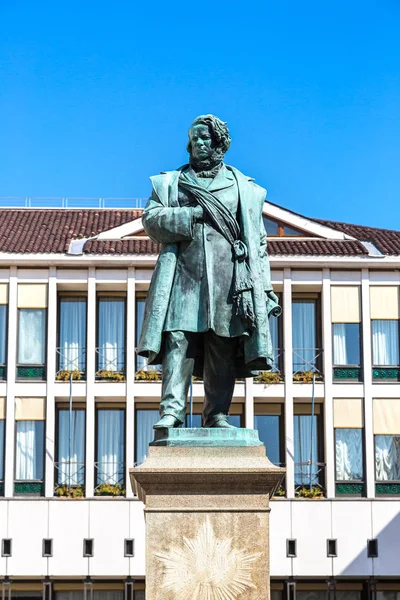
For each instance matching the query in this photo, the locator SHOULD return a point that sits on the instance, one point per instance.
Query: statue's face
(201, 143)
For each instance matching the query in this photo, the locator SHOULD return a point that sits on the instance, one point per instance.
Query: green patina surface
(350, 489)
(388, 488)
(213, 437)
(344, 373)
(386, 373)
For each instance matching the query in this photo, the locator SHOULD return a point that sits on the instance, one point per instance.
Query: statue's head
(208, 141)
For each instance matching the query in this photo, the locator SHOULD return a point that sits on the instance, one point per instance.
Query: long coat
(165, 221)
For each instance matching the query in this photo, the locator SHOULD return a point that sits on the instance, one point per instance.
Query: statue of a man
(211, 295)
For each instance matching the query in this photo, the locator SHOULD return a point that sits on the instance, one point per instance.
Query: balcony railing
(69, 473)
(71, 359)
(110, 364)
(109, 473)
(60, 202)
(307, 360)
(309, 479)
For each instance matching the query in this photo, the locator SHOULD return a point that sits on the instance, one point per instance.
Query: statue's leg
(178, 363)
(219, 378)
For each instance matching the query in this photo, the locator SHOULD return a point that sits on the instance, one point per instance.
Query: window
(145, 419)
(72, 334)
(349, 454)
(281, 229)
(268, 420)
(275, 327)
(29, 458)
(308, 449)
(3, 338)
(31, 342)
(346, 344)
(2, 430)
(110, 454)
(387, 457)
(141, 362)
(306, 354)
(385, 342)
(111, 334)
(70, 465)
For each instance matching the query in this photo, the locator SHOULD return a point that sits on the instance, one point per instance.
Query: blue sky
(97, 96)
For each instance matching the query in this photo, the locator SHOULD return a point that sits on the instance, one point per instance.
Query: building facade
(77, 406)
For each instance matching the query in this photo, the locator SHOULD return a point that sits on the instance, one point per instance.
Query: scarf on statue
(227, 225)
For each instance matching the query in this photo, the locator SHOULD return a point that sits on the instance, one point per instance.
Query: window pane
(305, 449)
(141, 361)
(387, 457)
(349, 454)
(111, 336)
(110, 446)
(31, 336)
(71, 447)
(304, 336)
(346, 344)
(73, 333)
(388, 595)
(289, 231)
(268, 427)
(145, 419)
(273, 328)
(2, 423)
(271, 227)
(29, 450)
(3, 333)
(385, 343)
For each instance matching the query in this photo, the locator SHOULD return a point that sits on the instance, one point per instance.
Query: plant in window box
(64, 375)
(109, 489)
(63, 491)
(147, 376)
(110, 375)
(313, 493)
(268, 377)
(306, 377)
(280, 492)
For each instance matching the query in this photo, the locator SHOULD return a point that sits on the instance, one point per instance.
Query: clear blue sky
(97, 96)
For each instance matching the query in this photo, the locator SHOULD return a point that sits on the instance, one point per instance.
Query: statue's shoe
(222, 423)
(167, 422)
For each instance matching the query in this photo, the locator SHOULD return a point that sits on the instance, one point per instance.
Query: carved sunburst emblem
(207, 568)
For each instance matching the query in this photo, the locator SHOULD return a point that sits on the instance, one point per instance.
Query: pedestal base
(207, 515)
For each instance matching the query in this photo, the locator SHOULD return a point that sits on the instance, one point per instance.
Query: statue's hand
(198, 213)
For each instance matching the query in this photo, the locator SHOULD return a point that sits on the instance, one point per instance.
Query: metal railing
(62, 202)
(309, 474)
(109, 472)
(277, 365)
(69, 473)
(110, 359)
(71, 358)
(307, 359)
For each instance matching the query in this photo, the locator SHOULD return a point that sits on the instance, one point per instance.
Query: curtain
(304, 336)
(387, 457)
(388, 595)
(346, 344)
(74, 473)
(2, 423)
(73, 333)
(108, 595)
(268, 427)
(111, 352)
(349, 454)
(110, 446)
(385, 342)
(304, 426)
(273, 328)
(31, 336)
(29, 450)
(3, 333)
(145, 419)
(141, 361)
(339, 344)
(73, 595)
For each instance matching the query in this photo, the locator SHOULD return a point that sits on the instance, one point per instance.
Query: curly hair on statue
(218, 129)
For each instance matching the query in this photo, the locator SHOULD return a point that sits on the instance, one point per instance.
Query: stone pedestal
(206, 495)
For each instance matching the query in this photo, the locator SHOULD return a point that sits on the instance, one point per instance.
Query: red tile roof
(51, 231)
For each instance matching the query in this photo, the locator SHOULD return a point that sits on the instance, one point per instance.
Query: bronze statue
(211, 295)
